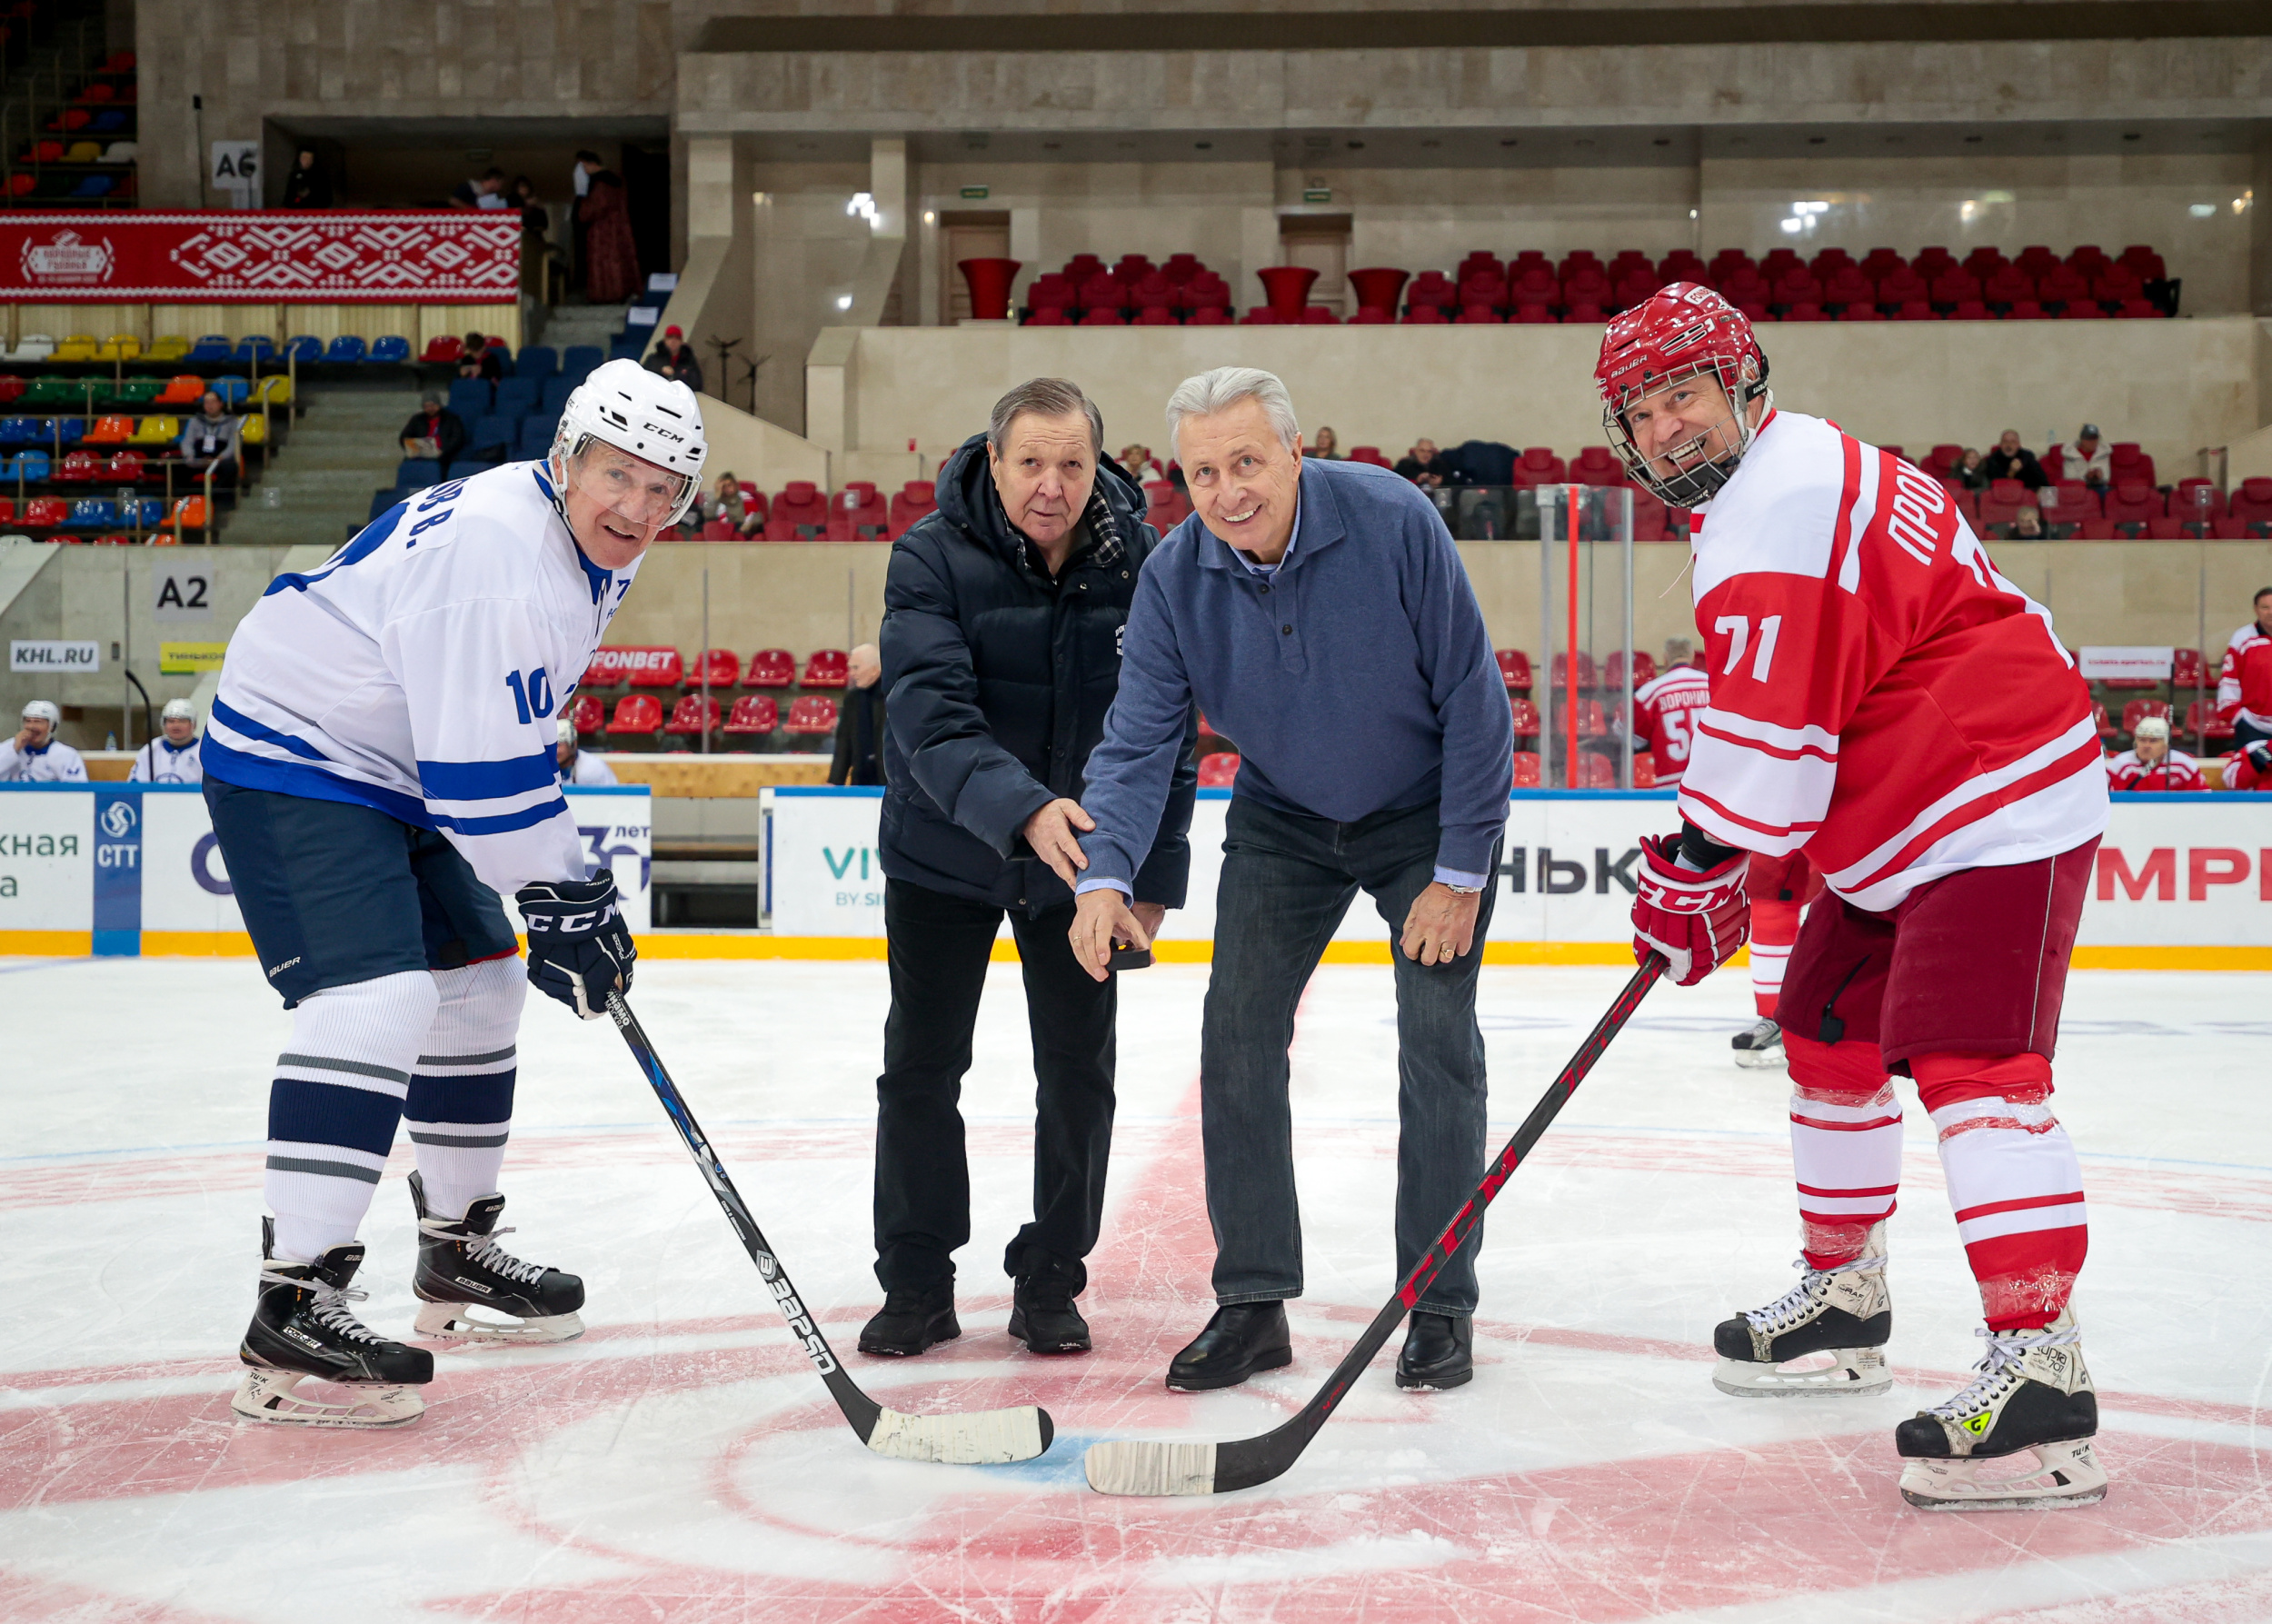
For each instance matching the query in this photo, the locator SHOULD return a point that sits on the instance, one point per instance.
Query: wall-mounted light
(2202, 211)
(843, 301)
(930, 217)
(863, 205)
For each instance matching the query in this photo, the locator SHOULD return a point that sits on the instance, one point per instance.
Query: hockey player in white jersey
(379, 763)
(575, 765)
(174, 755)
(35, 755)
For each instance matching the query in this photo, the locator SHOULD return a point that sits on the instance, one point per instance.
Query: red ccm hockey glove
(1696, 918)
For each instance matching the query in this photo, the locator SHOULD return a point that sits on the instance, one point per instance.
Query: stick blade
(985, 1438)
(1148, 1467)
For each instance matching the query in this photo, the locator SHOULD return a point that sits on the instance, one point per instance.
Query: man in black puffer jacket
(1002, 652)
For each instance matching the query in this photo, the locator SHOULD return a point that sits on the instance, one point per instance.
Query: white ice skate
(2033, 1399)
(1826, 1335)
(1759, 1048)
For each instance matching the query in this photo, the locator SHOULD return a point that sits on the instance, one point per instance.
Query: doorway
(646, 174)
(967, 233)
(1320, 242)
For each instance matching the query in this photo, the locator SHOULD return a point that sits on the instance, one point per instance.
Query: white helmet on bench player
(43, 710)
(655, 419)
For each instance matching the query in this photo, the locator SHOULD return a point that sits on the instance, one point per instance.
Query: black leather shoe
(1043, 1316)
(1242, 1338)
(1438, 1352)
(911, 1322)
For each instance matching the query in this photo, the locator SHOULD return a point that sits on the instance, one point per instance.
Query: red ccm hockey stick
(1142, 1466)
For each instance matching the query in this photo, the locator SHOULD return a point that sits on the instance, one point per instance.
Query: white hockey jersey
(161, 760)
(419, 669)
(52, 763)
(589, 770)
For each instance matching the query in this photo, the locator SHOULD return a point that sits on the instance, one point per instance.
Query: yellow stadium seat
(75, 349)
(276, 389)
(84, 152)
(254, 431)
(172, 347)
(120, 346)
(157, 431)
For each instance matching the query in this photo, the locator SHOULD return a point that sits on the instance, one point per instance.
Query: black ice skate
(1845, 1312)
(302, 1328)
(466, 1279)
(1759, 1048)
(2033, 1397)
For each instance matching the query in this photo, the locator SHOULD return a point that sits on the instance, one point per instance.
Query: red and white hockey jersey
(1880, 695)
(1663, 718)
(2175, 771)
(2244, 684)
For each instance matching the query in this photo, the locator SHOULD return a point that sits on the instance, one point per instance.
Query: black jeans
(1287, 881)
(939, 948)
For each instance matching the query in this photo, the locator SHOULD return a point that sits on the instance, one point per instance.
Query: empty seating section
(659, 696)
(1580, 286)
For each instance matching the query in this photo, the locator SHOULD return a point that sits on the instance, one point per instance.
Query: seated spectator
(736, 506)
(1138, 463)
(2089, 459)
(486, 191)
(1425, 467)
(2026, 527)
(210, 441)
(1970, 471)
(2011, 460)
(433, 431)
(2149, 764)
(308, 186)
(479, 361)
(674, 358)
(1327, 448)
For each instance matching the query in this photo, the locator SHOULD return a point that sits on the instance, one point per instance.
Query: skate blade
(1763, 1059)
(1851, 1373)
(269, 1396)
(463, 1322)
(2065, 1475)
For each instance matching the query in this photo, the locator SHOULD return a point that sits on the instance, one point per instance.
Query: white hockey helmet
(567, 731)
(178, 710)
(654, 418)
(2152, 727)
(43, 709)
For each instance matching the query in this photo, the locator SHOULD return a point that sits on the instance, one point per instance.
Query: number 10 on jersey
(532, 696)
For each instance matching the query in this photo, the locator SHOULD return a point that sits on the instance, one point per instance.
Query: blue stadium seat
(554, 400)
(232, 391)
(254, 346)
(536, 437)
(516, 397)
(94, 185)
(345, 348)
(417, 473)
(106, 122)
(303, 347)
(627, 349)
(213, 350)
(577, 363)
(383, 500)
(33, 466)
(492, 440)
(67, 431)
(538, 361)
(19, 431)
(391, 351)
(470, 398)
(149, 511)
(96, 513)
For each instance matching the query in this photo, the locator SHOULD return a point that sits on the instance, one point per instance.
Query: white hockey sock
(460, 1106)
(1845, 1150)
(332, 1109)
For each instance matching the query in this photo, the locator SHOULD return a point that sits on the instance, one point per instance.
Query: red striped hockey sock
(1845, 1143)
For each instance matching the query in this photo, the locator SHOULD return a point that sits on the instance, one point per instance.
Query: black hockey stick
(1141, 1466)
(988, 1437)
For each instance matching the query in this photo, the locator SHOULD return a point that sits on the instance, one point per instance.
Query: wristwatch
(1463, 891)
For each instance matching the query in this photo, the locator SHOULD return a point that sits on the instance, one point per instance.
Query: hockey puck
(1127, 955)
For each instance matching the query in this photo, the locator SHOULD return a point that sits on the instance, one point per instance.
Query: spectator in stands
(1138, 463)
(485, 191)
(735, 506)
(573, 763)
(1377, 748)
(860, 726)
(610, 259)
(2089, 459)
(587, 164)
(2149, 764)
(480, 359)
(210, 441)
(2244, 681)
(2028, 526)
(36, 755)
(1971, 471)
(1003, 610)
(174, 756)
(674, 357)
(536, 225)
(306, 186)
(1425, 467)
(1326, 447)
(2011, 460)
(435, 431)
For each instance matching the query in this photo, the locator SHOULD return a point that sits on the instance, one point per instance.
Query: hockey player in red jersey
(1884, 701)
(2244, 684)
(2150, 764)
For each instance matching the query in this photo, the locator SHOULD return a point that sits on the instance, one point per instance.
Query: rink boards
(2183, 882)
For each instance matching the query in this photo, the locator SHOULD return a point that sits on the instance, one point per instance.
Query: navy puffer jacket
(997, 679)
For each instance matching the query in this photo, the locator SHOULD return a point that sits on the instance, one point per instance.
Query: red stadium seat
(2129, 463)
(721, 666)
(1798, 285)
(718, 530)
(753, 714)
(2068, 503)
(1166, 507)
(799, 514)
(1652, 521)
(1051, 317)
(647, 667)
(2137, 710)
(1808, 311)
(2060, 284)
(2144, 261)
(2197, 499)
(2131, 503)
(1539, 465)
(2098, 717)
(692, 716)
(1525, 714)
(1916, 310)
(1218, 771)
(1514, 667)
(445, 349)
(2252, 503)
(910, 504)
(1595, 772)
(637, 715)
(1954, 287)
(1526, 768)
(1942, 460)
(1371, 454)
(1596, 465)
(1154, 315)
(1424, 315)
(77, 468)
(825, 669)
(1557, 673)
(772, 668)
(2139, 310)
(2083, 310)
(2003, 501)
(1849, 285)
(1101, 316)
(1613, 671)
(1931, 262)
(857, 513)
(2203, 722)
(810, 715)
(2008, 285)
(1902, 286)
(1480, 315)
(2185, 668)
(589, 712)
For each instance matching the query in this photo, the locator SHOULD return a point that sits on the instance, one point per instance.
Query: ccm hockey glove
(579, 949)
(1697, 919)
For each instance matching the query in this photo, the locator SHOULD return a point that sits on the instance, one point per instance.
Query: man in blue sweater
(1320, 615)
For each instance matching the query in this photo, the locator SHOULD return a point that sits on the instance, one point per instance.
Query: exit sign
(974, 192)
(1317, 195)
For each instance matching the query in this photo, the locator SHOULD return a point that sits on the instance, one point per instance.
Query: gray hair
(1225, 387)
(1046, 397)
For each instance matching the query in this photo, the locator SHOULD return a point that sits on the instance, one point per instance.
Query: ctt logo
(118, 819)
(120, 846)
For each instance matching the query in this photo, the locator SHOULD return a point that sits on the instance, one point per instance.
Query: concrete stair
(595, 324)
(322, 479)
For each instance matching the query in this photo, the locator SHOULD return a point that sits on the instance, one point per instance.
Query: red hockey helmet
(1677, 333)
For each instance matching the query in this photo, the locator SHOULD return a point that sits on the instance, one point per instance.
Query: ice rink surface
(682, 1462)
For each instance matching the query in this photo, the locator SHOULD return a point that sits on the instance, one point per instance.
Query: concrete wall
(2172, 386)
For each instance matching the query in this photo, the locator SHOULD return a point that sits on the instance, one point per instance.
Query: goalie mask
(1678, 333)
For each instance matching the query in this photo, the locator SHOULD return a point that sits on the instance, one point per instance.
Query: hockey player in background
(2244, 684)
(1664, 711)
(380, 766)
(35, 755)
(575, 765)
(173, 756)
(1885, 702)
(2150, 764)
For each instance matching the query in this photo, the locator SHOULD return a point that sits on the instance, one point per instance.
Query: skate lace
(486, 1252)
(328, 1307)
(2000, 1370)
(1793, 1304)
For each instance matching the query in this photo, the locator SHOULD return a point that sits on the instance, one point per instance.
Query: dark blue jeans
(1287, 881)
